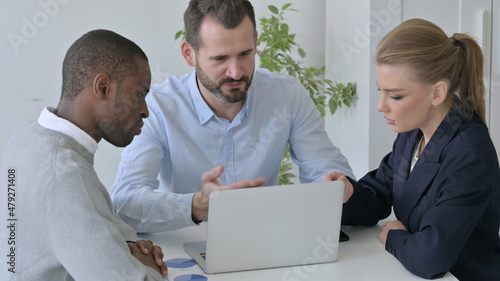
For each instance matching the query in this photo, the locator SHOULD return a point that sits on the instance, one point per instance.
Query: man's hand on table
(149, 254)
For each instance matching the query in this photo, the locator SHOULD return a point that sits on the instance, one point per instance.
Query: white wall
(495, 78)
(43, 30)
(353, 28)
(348, 61)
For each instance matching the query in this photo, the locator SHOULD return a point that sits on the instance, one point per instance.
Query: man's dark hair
(230, 13)
(98, 51)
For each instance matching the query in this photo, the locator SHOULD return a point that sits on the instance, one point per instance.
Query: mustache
(231, 80)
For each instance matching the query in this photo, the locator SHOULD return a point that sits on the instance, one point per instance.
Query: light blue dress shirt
(161, 169)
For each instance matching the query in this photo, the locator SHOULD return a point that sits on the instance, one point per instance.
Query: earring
(435, 105)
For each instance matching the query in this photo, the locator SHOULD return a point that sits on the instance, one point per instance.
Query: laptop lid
(272, 226)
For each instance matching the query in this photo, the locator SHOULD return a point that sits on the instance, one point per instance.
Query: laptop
(273, 226)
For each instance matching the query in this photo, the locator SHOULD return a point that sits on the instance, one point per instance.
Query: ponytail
(470, 86)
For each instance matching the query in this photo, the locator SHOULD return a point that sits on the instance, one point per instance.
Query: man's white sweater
(65, 228)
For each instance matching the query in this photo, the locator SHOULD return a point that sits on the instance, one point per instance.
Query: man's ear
(101, 86)
(440, 92)
(188, 53)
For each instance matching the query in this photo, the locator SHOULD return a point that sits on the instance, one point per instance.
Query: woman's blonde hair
(434, 56)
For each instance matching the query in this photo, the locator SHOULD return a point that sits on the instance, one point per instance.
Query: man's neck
(229, 111)
(220, 108)
(76, 114)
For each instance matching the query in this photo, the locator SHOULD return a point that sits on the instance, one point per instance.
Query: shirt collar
(204, 112)
(48, 119)
(202, 109)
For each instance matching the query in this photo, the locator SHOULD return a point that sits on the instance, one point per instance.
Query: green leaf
(302, 53)
(286, 6)
(285, 28)
(273, 9)
(179, 34)
(332, 105)
(274, 22)
(322, 111)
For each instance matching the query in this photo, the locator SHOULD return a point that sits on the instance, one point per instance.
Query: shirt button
(228, 164)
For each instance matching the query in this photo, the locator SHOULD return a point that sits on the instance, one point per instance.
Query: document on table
(184, 268)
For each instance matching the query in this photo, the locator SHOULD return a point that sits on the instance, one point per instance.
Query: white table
(363, 257)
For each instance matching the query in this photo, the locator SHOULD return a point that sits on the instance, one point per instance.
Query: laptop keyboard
(343, 237)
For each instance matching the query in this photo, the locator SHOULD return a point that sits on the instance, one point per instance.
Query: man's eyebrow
(247, 51)
(225, 56)
(217, 57)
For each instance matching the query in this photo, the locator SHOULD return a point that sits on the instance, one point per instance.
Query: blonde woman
(442, 177)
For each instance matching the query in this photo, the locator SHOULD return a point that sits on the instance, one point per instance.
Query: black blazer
(450, 202)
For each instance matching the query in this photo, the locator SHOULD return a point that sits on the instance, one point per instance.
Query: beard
(215, 87)
(117, 128)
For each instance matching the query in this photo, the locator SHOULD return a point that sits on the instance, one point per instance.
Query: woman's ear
(440, 92)
(188, 53)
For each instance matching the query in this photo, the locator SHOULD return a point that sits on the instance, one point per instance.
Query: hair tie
(456, 42)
